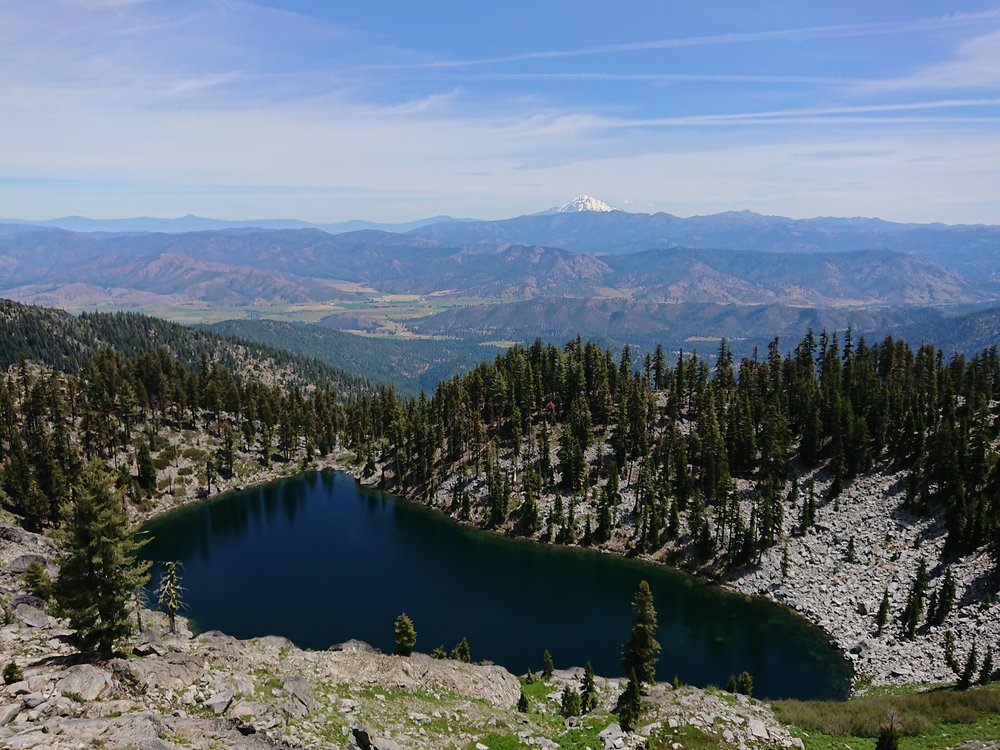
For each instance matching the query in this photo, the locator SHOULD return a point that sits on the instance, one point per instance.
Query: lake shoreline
(846, 616)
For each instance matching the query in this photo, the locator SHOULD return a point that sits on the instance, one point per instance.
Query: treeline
(582, 424)
(114, 411)
(66, 343)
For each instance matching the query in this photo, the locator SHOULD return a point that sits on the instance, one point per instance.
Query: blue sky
(396, 110)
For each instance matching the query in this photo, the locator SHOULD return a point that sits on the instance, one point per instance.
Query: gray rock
(86, 681)
(610, 734)
(31, 616)
(354, 647)
(33, 700)
(30, 599)
(149, 643)
(758, 729)
(219, 702)
(8, 712)
(298, 688)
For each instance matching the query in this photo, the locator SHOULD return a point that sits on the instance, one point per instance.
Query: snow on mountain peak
(584, 203)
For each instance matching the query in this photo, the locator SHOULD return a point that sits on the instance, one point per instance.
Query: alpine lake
(321, 559)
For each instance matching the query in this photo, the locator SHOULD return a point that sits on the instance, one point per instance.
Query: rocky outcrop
(842, 595)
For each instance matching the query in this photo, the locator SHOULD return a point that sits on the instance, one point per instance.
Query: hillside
(412, 364)
(65, 342)
(235, 268)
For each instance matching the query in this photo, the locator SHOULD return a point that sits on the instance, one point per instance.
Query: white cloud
(975, 64)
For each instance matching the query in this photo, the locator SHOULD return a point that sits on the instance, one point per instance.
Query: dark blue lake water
(321, 559)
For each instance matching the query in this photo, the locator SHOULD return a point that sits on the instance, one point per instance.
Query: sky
(393, 111)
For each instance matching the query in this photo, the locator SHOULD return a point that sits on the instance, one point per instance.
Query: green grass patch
(918, 715)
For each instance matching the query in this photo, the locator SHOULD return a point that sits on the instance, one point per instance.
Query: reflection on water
(320, 559)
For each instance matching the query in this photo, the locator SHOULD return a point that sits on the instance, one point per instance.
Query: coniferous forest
(712, 450)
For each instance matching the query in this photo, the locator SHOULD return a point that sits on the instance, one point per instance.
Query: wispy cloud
(773, 35)
(975, 64)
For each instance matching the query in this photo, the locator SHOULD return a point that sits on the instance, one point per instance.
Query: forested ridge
(66, 343)
(167, 409)
(711, 455)
(682, 454)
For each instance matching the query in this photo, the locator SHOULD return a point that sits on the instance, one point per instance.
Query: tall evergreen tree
(642, 651)
(98, 570)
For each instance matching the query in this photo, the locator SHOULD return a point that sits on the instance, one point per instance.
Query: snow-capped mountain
(581, 203)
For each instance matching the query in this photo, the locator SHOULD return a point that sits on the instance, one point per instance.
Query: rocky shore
(212, 690)
(843, 596)
(824, 586)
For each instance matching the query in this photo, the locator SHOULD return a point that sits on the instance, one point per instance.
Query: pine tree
(548, 667)
(986, 670)
(883, 611)
(95, 597)
(462, 652)
(570, 702)
(914, 608)
(522, 703)
(630, 703)
(406, 635)
(588, 693)
(146, 470)
(642, 650)
(37, 581)
(169, 592)
(744, 683)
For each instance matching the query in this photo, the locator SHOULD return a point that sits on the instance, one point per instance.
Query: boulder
(758, 729)
(219, 702)
(611, 735)
(354, 646)
(367, 740)
(32, 616)
(8, 712)
(85, 681)
(149, 643)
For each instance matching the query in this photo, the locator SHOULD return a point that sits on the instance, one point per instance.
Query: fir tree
(883, 611)
(986, 670)
(744, 683)
(588, 692)
(548, 667)
(914, 608)
(642, 650)
(630, 704)
(37, 581)
(462, 652)
(95, 598)
(406, 635)
(146, 478)
(570, 702)
(522, 703)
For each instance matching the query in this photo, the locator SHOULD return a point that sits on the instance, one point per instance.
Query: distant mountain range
(250, 266)
(583, 266)
(191, 223)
